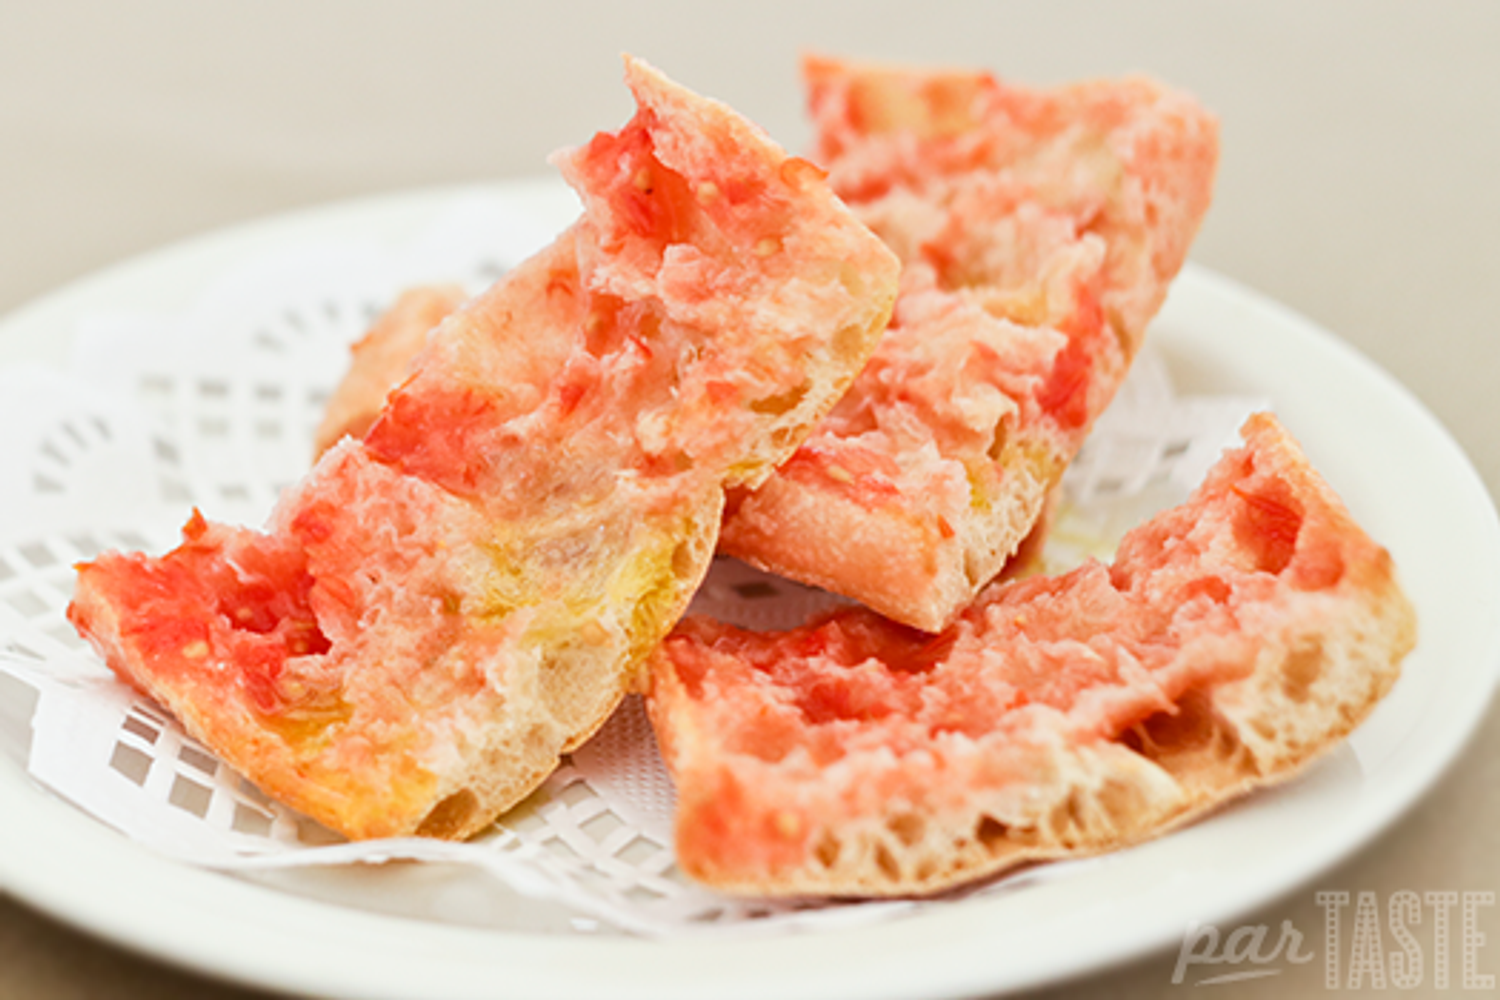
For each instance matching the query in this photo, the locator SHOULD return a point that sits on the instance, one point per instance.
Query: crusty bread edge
(879, 545)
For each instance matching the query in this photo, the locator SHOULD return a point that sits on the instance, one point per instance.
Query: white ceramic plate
(1404, 478)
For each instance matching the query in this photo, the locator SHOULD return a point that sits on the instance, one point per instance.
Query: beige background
(1359, 186)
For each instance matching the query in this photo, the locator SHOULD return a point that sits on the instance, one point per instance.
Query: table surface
(1361, 143)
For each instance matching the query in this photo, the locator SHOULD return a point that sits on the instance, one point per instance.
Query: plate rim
(256, 915)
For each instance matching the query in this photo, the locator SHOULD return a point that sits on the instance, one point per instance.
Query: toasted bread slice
(1038, 232)
(1233, 640)
(441, 609)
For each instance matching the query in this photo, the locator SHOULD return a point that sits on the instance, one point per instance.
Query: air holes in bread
(886, 862)
(782, 402)
(1303, 667)
(990, 832)
(451, 816)
(908, 828)
(997, 443)
(827, 850)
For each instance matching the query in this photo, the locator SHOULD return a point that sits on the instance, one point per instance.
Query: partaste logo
(1409, 940)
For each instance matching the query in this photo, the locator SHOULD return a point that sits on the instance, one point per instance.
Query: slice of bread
(1233, 639)
(441, 609)
(1038, 231)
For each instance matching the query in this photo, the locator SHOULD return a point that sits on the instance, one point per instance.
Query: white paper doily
(214, 408)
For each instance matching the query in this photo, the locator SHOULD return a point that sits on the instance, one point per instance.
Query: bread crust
(1233, 641)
